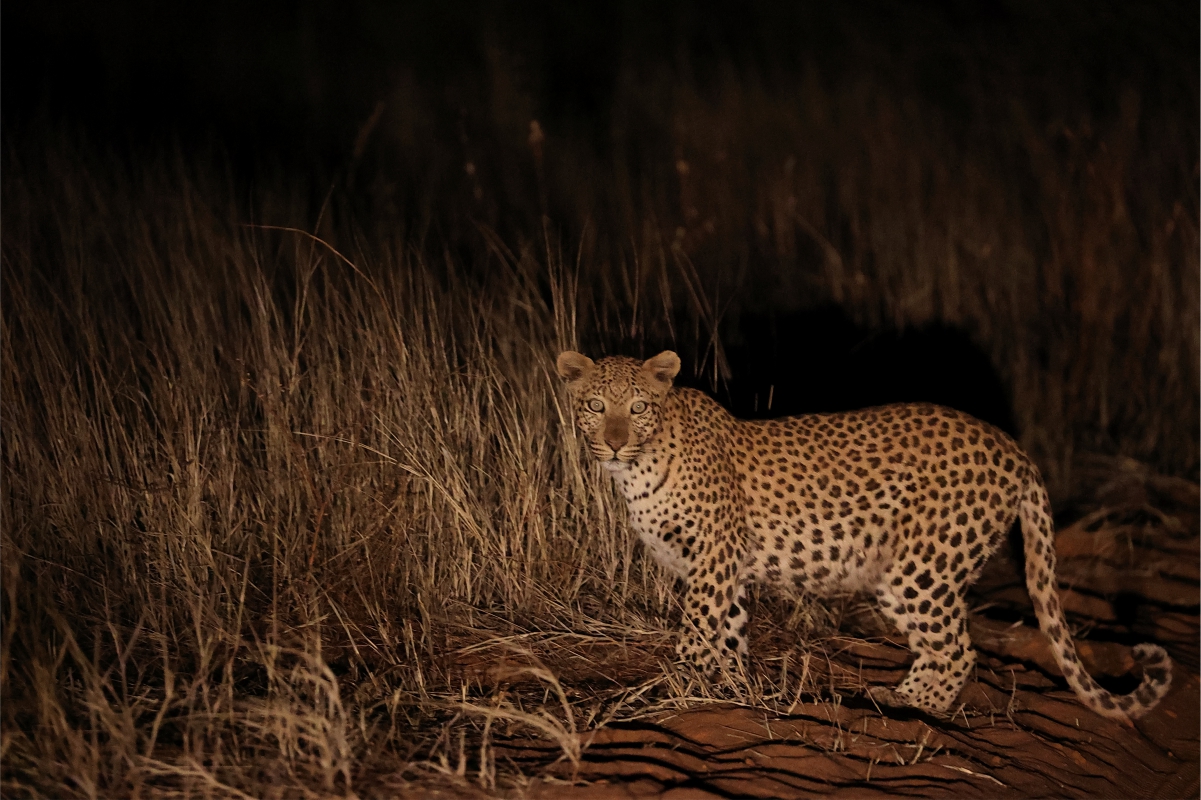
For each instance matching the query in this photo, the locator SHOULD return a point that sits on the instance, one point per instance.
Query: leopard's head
(618, 401)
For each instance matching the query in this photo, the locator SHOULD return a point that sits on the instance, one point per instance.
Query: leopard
(903, 503)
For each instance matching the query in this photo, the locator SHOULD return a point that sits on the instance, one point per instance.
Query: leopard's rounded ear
(663, 368)
(573, 366)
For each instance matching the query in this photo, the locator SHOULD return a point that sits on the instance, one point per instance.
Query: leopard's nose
(617, 433)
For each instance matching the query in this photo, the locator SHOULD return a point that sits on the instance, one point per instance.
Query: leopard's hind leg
(932, 614)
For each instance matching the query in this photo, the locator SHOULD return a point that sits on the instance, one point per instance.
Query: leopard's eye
(595, 404)
(638, 407)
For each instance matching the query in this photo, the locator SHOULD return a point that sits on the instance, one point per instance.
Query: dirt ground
(1129, 573)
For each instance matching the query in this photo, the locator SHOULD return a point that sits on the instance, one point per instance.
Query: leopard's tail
(1039, 534)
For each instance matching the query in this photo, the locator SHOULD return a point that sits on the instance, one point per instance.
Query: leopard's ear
(662, 369)
(573, 366)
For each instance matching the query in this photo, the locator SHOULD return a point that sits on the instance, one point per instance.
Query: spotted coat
(904, 502)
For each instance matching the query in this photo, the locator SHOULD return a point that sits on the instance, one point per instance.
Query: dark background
(385, 100)
(301, 78)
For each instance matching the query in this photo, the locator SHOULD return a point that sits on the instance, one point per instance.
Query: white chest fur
(650, 512)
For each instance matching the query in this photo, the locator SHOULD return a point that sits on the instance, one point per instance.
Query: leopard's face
(618, 401)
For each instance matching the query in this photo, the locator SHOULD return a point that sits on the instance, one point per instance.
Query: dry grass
(233, 460)
(268, 497)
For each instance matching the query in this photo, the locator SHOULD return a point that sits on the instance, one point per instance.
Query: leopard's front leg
(715, 615)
